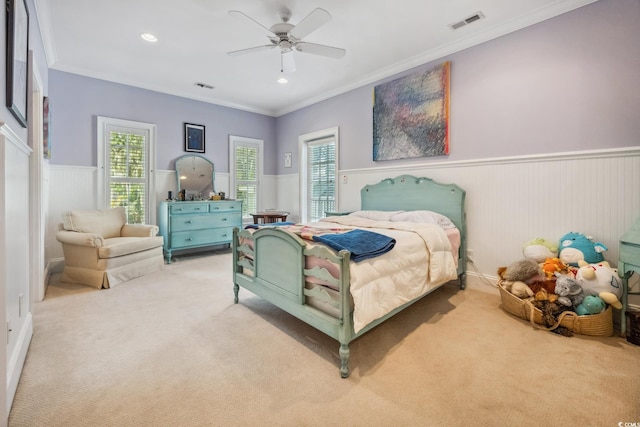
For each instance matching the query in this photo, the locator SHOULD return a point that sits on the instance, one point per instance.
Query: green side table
(628, 262)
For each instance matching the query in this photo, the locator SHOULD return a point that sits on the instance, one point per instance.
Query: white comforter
(420, 261)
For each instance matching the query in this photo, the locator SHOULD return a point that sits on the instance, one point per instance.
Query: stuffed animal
(525, 270)
(551, 266)
(544, 295)
(569, 291)
(601, 280)
(519, 289)
(591, 305)
(610, 299)
(539, 249)
(577, 246)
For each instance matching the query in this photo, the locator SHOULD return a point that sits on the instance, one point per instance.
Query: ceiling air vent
(475, 17)
(203, 85)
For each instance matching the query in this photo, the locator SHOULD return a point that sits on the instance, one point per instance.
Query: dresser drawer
(225, 207)
(198, 222)
(188, 208)
(184, 239)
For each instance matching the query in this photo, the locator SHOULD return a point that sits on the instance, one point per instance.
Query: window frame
(103, 194)
(303, 148)
(241, 141)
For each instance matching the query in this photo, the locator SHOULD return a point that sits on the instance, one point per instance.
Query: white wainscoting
(70, 187)
(513, 200)
(15, 262)
(509, 200)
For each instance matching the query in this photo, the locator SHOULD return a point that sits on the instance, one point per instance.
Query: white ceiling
(101, 39)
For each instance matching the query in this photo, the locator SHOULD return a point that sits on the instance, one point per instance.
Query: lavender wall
(77, 101)
(567, 84)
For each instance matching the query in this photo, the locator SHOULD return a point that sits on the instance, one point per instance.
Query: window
(319, 171)
(246, 172)
(124, 160)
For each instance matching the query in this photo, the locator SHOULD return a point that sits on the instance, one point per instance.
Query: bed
(328, 290)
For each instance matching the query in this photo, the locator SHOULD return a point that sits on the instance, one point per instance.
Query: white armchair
(102, 250)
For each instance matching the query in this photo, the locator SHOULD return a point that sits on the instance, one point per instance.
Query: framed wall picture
(193, 138)
(17, 57)
(46, 124)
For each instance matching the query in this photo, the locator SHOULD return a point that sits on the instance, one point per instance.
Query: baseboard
(482, 282)
(55, 265)
(15, 361)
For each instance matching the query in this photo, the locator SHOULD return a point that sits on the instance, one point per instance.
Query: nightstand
(628, 262)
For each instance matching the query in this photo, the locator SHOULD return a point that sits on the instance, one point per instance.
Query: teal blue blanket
(362, 244)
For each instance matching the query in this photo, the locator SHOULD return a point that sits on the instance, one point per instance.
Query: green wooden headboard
(408, 193)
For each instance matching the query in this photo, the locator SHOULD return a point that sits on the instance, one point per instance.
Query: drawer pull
(216, 208)
(188, 222)
(224, 219)
(189, 239)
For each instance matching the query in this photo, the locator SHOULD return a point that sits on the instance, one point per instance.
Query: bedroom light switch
(344, 179)
(287, 160)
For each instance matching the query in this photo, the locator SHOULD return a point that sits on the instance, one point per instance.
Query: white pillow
(428, 217)
(375, 215)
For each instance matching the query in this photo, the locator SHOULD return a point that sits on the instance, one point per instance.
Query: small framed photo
(193, 138)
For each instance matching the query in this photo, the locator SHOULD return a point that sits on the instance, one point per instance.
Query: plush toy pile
(572, 275)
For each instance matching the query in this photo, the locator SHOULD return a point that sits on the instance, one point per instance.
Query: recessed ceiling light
(149, 37)
(282, 80)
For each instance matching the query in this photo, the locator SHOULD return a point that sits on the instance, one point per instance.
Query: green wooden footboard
(270, 262)
(273, 267)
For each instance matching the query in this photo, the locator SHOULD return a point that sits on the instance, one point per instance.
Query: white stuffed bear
(600, 280)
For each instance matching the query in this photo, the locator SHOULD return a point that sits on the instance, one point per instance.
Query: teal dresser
(197, 224)
(628, 262)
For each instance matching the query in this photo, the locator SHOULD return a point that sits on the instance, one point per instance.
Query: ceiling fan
(288, 37)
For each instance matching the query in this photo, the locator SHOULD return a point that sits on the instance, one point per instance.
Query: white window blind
(246, 178)
(321, 177)
(127, 176)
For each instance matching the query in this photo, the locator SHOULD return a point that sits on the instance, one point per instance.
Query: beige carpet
(171, 349)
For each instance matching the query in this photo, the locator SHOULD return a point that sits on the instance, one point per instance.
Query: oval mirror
(195, 175)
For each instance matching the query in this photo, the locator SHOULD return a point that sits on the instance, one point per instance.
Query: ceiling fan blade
(310, 23)
(251, 49)
(245, 18)
(320, 49)
(288, 62)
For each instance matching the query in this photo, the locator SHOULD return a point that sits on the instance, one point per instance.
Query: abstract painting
(411, 115)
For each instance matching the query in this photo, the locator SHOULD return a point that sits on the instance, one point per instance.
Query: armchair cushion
(118, 246)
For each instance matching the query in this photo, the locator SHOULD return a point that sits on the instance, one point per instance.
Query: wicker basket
(599, 325)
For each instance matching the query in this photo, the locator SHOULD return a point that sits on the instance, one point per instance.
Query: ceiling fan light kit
(288, 37)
